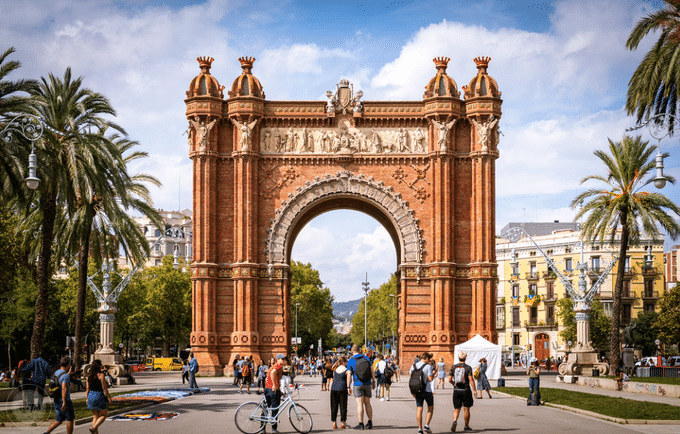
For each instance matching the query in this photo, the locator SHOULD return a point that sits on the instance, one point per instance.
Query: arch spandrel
(375, 193)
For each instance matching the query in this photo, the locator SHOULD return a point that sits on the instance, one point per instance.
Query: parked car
(674, 361)
(649, 361)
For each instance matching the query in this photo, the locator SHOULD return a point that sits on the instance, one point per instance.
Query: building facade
(262, 169)
(526, 315)
(671, 267)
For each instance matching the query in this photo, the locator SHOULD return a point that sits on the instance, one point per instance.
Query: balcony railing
(650, 294)
(531, 275)
(549, 275)
(650, 271)
(627, 294)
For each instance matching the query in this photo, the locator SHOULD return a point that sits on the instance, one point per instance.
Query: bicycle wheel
(300, 418)
(250, 418)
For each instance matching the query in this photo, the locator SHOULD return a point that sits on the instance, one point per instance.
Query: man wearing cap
(534, 372)
(463, 386)
(272, 386)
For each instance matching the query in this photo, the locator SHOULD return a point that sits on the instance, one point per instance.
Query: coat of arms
(344, 97)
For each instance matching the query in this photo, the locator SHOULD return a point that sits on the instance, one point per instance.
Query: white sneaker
(388, 398)
(382, 399)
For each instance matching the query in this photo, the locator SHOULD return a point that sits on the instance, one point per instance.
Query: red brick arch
(263, 169)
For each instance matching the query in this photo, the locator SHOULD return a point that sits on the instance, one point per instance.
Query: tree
(315, 312)
(382, 317)
(653, 88)
(68, 151)
(13, 101)
(643, 332)
(668, 322)
(623, 203)
(600, 323)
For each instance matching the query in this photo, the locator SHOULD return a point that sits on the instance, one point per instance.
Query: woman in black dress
(339, 393)
(98, 396)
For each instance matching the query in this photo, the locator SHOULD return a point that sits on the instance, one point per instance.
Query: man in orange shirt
(272, 386)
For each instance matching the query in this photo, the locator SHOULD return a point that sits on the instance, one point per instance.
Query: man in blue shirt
(193, 369)
(39, 370)
(63, 407)
(362, 389)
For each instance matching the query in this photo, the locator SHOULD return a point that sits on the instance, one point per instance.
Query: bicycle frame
(285, 403)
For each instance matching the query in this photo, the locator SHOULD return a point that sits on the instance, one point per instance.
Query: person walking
(328, 373)
(193, 370)
(272, 387)
(463, 383)
(339, 392)
(40, 371)
(234, 365)
(261, 375)
(483, 381)
(441, 373)
(185, 371)
(425, 395)
(363, 380)
(386, 374)
(63, 407)
(288, 376)
(534, 372)
(246, 375)
(378, 374)
(98, 397)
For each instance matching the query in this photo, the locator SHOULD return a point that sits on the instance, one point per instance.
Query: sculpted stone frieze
(345, 183)
(343, 139)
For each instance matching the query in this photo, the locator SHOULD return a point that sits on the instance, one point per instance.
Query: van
(650, 361)
(163, 364)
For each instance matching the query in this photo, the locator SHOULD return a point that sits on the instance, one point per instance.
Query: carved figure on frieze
(202, 131)
(245, 133)
(418, 140)
(358, 107)
(402, 144)
(267, 142)
(336, 142)
(376, 144)
(277, 141)
(485, 131)
(289, 143)
(443, 133)
(326, 141)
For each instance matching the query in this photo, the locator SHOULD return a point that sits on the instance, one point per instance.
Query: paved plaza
(213, 412)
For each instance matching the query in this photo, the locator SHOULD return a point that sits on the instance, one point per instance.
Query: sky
(561, 65)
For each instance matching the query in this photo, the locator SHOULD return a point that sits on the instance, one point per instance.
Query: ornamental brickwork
(263, 169)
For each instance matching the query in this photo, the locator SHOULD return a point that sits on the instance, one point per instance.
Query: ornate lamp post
(176, 234)
(584, 358)
(393, 310)
(31, 128)
(365, 286)
(658, 127)
(297, 342)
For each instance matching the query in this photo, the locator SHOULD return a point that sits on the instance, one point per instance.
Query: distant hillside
(346, 309)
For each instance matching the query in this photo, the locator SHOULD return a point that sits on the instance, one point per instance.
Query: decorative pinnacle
(246, 63)
(482, 62)
(205, 63)
(441, 63)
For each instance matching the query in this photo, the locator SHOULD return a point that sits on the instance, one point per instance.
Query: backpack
(476, 374)
(245, 370)
(417, 383)
(389, 372)
(459, 377)
(54, 388)
(363, 369)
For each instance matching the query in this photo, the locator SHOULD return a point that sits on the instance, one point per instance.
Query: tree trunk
(49, 207)
(615, 339)
(83, 259)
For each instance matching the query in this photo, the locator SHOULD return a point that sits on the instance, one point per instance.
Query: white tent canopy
(478, 347)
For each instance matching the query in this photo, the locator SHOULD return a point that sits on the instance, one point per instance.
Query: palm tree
(100, 223)
(69, 154)
(655, 85)
(12, 103)
(623, 203)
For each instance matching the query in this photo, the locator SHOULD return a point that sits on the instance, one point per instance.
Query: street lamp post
(297, 342)
(659, 129)
(31, 128)
(395, 316)
(513, 265)
(365, 287)
(176, 234)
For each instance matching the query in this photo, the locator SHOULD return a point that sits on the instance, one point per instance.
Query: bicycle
(252, 417)
(29, 403)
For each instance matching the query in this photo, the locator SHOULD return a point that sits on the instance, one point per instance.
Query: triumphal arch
(262, 169)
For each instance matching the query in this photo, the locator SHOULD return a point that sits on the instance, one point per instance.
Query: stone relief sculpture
(202, 131)
(358, 107)
(443, 133)
(343, 139)
(486, 131)
(245, 133)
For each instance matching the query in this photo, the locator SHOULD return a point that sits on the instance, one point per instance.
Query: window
(500, 317)
(567, 250)
(515, 316)
(532, 253)
(532, 269)
(159, 262)
(596, 247)
(625, 291)
(607, 307)
(534, 315)
(515, 290)
(627, 266)
(158, 247)
(625, 313)
(532, 288)
(157, 233)
(550, 314)
(515, 339)
(549, 252)
(649, 307)
(595, 265)
(649, 288)
(550, 290)
(567, 264)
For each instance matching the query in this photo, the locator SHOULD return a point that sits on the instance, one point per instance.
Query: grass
(655, 380)
(621, 408)
(79, 407)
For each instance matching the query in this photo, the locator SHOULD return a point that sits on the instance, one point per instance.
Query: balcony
(628, 272)
(549, 298)
(651, 271)
(534, 323)
(531, 275)
(627, 295)
(500, 300)
(547, 275)
(650, 294)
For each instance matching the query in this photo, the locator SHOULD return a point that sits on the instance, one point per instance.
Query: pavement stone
(213, 412)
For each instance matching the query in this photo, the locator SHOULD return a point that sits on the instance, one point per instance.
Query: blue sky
(561, 65)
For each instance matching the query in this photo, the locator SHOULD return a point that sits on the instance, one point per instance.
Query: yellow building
(528, 292)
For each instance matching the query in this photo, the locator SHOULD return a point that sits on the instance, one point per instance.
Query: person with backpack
(384, 373)
(460, 376)
(534, 372)
(193, 370)
(246, 375)
(339, 392)
(63, 407)
(364, 382)
(420, 385)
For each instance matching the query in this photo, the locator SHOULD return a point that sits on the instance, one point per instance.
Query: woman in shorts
(98, 396)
